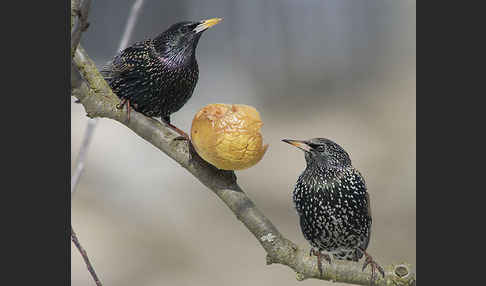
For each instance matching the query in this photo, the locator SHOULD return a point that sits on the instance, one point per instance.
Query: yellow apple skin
(228, 135)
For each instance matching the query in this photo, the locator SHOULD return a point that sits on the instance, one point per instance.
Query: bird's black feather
(331, 199)
(157, 76)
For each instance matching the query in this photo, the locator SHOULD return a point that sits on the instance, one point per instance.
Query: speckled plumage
(158, 76)
(332, 202)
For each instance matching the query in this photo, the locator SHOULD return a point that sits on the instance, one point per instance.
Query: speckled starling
(333, 205)
(158, 76)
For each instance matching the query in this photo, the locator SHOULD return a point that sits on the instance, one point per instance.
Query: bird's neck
(316, 164)
(319, 171)
(174, 55)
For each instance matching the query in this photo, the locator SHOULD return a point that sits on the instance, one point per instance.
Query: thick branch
(99, 101)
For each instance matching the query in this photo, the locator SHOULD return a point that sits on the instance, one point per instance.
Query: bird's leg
(319, 256)
(369, 260)
(122, 103)
(183, 134)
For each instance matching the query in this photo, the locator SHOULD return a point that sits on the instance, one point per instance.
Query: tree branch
(91, 270)
(80, 12)
(88, 135)
(99, 101)
(79, 21)
(92, 123)
(132, 19)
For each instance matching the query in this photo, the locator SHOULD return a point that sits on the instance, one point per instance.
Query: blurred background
(339, 69)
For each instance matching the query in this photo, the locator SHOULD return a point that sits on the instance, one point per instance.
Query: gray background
(339, 69)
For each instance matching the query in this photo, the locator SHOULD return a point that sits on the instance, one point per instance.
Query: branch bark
(99, 101)
(76, 36)
(79, 21)
(91, 270)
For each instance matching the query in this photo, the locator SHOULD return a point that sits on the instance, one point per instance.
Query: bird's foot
(319, 256)
(183, 135)
(374, 266)
(122, 103)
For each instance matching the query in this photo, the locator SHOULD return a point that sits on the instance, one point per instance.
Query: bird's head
(322, 151)
(181, 39)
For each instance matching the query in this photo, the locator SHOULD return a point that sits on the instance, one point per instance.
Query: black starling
(333, 205)
(157, 76)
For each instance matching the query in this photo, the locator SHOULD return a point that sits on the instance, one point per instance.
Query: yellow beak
(207, 24)
(298, 143)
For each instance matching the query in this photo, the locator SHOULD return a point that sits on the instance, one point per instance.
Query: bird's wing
(366, 242)
(304, 226)
(123, 62)
(356, 183)
(117, 65)
(368, 203)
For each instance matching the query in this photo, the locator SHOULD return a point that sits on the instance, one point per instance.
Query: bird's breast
(332, 207)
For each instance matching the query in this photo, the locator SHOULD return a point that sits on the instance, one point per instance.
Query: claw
(183, 134)
(122, 103)
(365, 264)
(319, 256)
(382, 272)
(374, 266)
(181, 137)
(327, 257)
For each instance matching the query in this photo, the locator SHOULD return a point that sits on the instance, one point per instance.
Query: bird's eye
(185, 29)
(320, 148)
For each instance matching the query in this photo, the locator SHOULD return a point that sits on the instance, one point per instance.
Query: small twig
(80, 10)
(91, 270)
(127, 34)
(88, 136)
(79, 13)
(82, 25)
(132, 19)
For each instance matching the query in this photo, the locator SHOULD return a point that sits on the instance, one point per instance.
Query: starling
(157, 76)
(333, 205)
